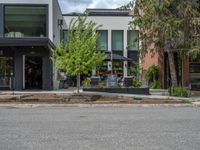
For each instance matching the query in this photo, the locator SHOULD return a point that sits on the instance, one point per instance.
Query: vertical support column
(18, 70)
(23, 69)
(109, 48)
(125, 53)
(46, 72)
(1, 20)
(94, 72)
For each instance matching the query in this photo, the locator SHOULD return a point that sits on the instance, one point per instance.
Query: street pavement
(100, 128)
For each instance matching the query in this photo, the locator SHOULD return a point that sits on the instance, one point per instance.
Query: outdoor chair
(128, 81)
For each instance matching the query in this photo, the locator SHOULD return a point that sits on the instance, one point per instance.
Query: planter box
(141, 91)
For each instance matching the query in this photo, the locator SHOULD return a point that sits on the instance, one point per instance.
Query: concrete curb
(20, 94)
(95, 105)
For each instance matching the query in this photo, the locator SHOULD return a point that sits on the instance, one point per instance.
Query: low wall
(140, 91)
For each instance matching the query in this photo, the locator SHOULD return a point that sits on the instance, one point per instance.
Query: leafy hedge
(155, 85)
(178, 91)
(153, 71)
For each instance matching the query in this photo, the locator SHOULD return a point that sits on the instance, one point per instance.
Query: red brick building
(188, 71)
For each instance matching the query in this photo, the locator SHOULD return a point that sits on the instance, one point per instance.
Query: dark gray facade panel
(18, 73)
(46, 76)
(1, 21)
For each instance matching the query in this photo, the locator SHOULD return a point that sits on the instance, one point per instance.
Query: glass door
(6, 71)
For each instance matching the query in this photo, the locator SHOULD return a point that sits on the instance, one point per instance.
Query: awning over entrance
(27, 42)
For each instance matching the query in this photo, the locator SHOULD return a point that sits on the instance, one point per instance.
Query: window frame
(106, 49)
(64, 30)
(112, 31)
(138, 43)
(28, 5)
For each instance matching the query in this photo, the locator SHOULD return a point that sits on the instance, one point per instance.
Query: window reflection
(25, 21)
(6, 71)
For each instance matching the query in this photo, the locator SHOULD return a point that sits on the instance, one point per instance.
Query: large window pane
(6, 71)
(65, 35)
(117, 40)
(102, 42)
(194, 67)
(133, 40)
(104, 68)
(25, 21)
(118, 68)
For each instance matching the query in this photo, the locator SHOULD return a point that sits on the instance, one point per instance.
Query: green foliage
(134, 70)
(137, 83)
(168, 24)
(155, 85)
(86, 82)
(178, 91)
(194, 52)
(153, 71)
(130, 5)
(80, 54)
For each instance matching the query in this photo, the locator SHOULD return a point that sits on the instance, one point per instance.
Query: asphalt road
(100, 128)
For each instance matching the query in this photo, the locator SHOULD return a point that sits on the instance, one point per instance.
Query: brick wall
(157, 58)
(185, 72)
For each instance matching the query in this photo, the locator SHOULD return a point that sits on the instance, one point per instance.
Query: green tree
(79, 55)
(170, 25)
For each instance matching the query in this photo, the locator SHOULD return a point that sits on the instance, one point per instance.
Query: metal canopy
(116, 57)
(26, 42)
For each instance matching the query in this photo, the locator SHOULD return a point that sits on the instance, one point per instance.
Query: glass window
(104, 67)
(6, 71)
(102, 41)
(65, 35)
(25, 21)
(118, 68)
(194, 67)
(117, 40)
(133, 40)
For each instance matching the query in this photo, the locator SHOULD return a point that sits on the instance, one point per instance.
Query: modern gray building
(28, 31)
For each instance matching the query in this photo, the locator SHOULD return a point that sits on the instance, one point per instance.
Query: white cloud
(107, 3)
(80, 5)
(72, 5)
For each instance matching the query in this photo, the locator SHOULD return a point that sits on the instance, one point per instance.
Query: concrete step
(195, 93)
(162, 92)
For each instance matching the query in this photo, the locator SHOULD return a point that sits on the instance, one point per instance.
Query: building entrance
(33, 72)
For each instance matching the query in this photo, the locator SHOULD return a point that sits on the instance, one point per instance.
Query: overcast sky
(68, 6)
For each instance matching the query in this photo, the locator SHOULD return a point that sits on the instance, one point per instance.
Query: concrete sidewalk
(146, 96)
(18, 94)
(25, 92)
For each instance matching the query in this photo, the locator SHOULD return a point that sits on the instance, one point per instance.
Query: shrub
(137, 83)
(178, 91)
(155, 85)
(152, 72)
(86, 82)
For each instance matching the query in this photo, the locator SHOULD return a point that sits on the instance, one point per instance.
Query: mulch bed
(86, 99)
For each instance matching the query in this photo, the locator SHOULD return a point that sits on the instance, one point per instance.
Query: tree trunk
(78, 82)
(172, 68)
